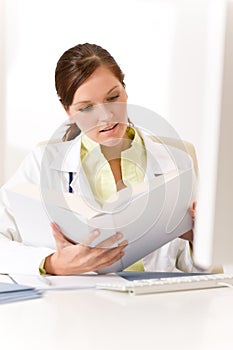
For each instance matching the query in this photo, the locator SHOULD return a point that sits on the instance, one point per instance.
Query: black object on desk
(138, 275)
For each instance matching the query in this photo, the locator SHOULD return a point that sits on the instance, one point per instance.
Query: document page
(82, 281)
(148, 214)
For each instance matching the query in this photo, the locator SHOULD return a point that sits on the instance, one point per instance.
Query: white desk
(89, 319)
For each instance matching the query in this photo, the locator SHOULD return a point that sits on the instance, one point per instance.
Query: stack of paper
(15, 292)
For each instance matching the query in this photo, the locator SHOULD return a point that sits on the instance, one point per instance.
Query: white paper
(149, 215)
(5, 279)
(83, 281)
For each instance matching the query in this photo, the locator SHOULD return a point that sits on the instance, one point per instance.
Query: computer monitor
(213, 241)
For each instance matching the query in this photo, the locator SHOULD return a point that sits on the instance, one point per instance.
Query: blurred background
(169, 50)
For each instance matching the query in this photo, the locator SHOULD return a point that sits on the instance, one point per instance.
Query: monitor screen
(213, 240)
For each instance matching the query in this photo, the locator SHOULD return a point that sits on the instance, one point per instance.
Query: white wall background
(2, 88)
(168, 49)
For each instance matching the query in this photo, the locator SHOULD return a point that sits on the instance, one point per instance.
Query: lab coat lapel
(159, 161)
(67, 159)
(81, 186)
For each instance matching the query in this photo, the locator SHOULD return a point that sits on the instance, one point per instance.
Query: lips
(109, 128)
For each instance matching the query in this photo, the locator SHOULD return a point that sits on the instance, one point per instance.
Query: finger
(100, 253)
(109, 261)
(123, 243)
(90, 238)
(109, 252)
(192, 210)
(192, 213)
(109, 242)
(61, 241)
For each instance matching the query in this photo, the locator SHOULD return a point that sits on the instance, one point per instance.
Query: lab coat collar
(159, 159)
(67, 156)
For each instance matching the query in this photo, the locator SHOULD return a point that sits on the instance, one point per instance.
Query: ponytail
(72, 131)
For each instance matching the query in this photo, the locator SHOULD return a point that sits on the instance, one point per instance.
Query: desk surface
(95, 319)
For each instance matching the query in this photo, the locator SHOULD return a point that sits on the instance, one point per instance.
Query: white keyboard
(171, 284)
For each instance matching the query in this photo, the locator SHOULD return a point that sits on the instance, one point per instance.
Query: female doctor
(112, 153)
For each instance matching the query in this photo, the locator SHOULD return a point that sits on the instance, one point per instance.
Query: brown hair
(74, 67)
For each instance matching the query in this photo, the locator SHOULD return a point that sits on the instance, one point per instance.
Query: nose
(105, 113)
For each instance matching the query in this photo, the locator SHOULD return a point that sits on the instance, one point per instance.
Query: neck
(114, 152)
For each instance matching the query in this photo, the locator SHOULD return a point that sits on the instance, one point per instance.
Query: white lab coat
(49, 166)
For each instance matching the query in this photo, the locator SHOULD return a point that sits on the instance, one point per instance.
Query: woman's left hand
(192, 211)
(189, 235)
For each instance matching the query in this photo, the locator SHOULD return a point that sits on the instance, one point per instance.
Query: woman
(111, 152)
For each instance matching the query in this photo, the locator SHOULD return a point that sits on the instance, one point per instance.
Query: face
(99, 108)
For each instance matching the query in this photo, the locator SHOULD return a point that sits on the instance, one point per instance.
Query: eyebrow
(88, 101)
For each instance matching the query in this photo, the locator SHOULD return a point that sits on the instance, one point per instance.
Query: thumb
(192, 210)
(61, 241)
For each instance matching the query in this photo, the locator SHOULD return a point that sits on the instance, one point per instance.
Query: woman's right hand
(71, 258)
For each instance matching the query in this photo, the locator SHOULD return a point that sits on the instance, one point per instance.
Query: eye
(86, 109)
(112, 98)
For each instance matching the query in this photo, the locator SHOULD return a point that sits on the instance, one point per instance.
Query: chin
(111, 142)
